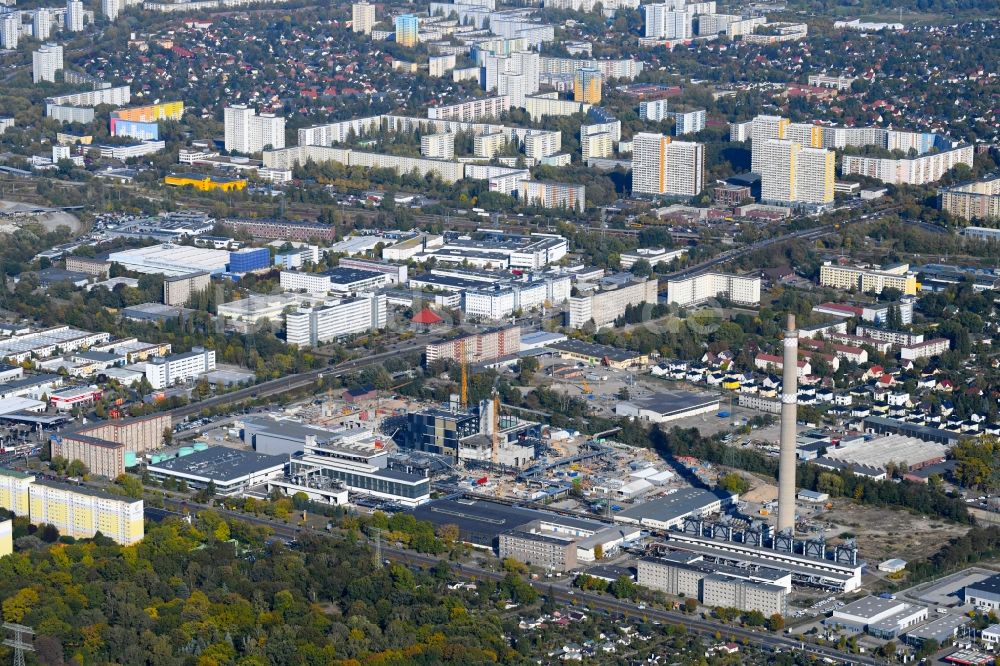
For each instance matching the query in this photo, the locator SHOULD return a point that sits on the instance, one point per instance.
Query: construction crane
(496, 426)
(585, 387)
(465, 376)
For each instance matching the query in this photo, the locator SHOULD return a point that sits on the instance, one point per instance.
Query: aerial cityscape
(494, 332)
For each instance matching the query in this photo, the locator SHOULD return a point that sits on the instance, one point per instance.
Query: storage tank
(200, 446)
(185, 451)
(130, 459)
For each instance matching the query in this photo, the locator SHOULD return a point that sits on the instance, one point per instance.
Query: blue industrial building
(249, 259)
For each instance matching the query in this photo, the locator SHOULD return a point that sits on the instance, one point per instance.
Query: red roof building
(426, 317)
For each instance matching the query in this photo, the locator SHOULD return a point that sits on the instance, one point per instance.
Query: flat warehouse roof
(675, 402)
(676, 505)
(868, 607)
(221, 464)
(493, 518)
(594, 350)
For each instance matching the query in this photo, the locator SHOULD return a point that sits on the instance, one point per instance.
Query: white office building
(164, 371)
(247, 132)
(45, 62)
(336, 319)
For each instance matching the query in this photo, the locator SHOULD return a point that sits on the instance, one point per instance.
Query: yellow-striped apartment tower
(14, 491)
(779, 162)
(762, 129)
(152, 112)
(587, 85)
(806, 134)
(814, 176)
(83, 512)
(649, 162)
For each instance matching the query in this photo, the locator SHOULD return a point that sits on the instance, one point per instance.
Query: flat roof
(221, 464)
(593, 350)
(343, 275)
(675, 505)
(675, 402)
(989, 585)
(541, 338)
(940, 628)
(492, 518)
(869, 607)
(86, 490)
(4, 471)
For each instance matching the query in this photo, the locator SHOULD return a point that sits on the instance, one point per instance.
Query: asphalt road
(693, 623)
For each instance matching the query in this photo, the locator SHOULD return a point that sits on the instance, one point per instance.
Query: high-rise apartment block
(552, 195)
(45, 62)
(74, 15)
(362, 17)
(763, 128)
(41, 24)
(407, 29)
(111, 8)
(587, 84)
(662, 166)
(438, 146)
(790, 173)
(10, 30)
(247, 132)
(663, 21)
(515, 75)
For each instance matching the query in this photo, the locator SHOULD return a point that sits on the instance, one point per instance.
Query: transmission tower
(378, 546)
(18, 642)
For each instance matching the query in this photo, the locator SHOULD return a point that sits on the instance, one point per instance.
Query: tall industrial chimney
(789, 415)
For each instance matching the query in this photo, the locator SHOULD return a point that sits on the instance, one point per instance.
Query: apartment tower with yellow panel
(587, 85)
(14, 491)
(82, 512)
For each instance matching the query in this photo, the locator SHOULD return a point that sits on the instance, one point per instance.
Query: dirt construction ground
(884, 533)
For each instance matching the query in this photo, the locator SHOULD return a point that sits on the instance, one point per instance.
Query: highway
(692, 623)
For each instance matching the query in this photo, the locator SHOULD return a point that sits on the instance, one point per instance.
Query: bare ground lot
(51, 219)
(884, 533)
